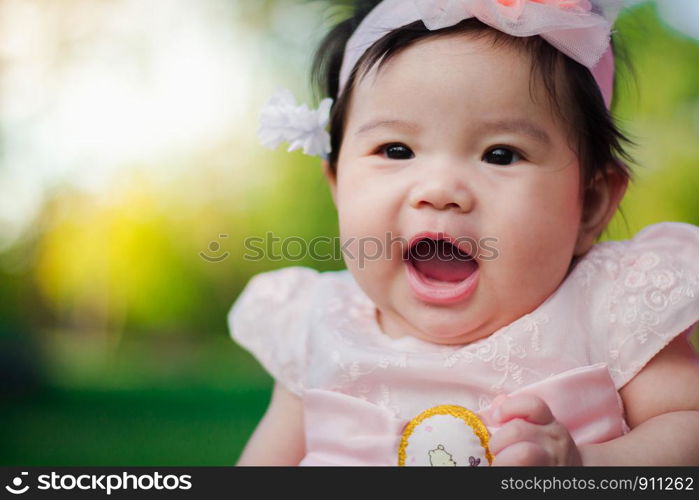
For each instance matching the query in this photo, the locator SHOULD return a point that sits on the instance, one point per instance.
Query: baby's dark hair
(572, 89)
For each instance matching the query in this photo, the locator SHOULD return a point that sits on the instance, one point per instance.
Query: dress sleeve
(270, 320)
(646, 293)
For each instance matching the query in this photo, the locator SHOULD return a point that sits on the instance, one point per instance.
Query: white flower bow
(283, 120)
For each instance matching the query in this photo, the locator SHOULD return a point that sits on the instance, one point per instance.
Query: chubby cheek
(366, 196)
(367, 260)
(365, 232)
(538, 234)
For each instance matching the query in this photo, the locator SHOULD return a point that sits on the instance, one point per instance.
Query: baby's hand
(530, 435)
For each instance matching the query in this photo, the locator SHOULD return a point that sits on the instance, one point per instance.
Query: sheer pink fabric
(316, 333)
(577, 28)
(583, 400)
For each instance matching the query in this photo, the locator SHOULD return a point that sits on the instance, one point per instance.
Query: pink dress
(316, 333)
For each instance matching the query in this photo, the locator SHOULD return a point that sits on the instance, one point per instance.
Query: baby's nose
(441, 196)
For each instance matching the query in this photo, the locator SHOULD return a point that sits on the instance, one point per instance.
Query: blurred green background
(129, 162)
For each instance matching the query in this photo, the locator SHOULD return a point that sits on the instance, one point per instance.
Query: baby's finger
(531, 408)
(487, 415)
(513, 432)
(522, 453)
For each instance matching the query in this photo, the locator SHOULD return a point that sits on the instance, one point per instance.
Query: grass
(145, 403)
(147, 427)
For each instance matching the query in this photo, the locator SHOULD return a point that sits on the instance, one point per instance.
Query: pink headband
(581, 29)
(575, 27)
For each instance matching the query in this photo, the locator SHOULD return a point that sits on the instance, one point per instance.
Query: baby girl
(471, 143)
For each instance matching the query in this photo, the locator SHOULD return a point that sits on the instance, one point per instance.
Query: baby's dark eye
(501, 156)
(397, 152)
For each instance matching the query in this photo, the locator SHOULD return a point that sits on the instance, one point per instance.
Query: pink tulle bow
(512, 9)
(580, 29)
(435, 13)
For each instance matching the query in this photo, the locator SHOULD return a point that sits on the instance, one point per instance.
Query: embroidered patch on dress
(445, 435)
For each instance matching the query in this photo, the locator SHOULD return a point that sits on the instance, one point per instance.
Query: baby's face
(462, 148)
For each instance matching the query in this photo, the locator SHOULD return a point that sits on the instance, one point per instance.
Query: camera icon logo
(17, 483)
(214, 247)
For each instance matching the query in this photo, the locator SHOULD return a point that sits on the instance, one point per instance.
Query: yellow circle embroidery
(467, 416)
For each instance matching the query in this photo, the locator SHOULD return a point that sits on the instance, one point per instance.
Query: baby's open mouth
(440, 260)
(440, 272)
